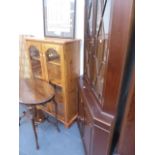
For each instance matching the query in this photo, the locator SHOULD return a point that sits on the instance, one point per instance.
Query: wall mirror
(59, 18)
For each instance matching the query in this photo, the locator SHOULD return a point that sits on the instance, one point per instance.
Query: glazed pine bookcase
(57, 62)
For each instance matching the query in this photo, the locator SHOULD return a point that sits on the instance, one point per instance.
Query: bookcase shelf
(57, 61)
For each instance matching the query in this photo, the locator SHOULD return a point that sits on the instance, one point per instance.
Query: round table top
(34, 91)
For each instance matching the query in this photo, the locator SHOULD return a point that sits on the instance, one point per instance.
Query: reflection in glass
(52, 54)
(35, 61)
(53, 66)
(106, 17)
(99, 13)
(90, 18)
(34, 52)
(102, 33)
(96, 48)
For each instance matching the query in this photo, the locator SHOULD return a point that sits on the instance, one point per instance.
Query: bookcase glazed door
(52, 60)
(96, 44)
(89, 39)
(36, 60)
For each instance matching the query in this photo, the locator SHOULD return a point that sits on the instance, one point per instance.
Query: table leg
(24, 112)
(34, 127)
(56, 114)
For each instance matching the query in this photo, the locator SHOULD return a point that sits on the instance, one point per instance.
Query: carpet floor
(51, 142)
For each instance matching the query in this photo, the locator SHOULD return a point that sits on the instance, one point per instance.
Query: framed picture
(59, 18)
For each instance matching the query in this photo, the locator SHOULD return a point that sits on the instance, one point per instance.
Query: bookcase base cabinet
(95, 126)
(57, 61)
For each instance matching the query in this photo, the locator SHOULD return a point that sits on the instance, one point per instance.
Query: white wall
(80, 28)
(31, 21)
(31, 17)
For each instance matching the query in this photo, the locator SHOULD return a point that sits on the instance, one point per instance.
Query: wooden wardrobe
(108, 29)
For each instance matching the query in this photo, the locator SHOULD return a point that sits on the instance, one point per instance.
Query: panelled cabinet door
(52, 57)
(100, 138)
(88, 126)
(96, 44)
(36, 59)
(89, 38)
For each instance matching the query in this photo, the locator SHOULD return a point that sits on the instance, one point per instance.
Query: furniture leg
(56, 114)
(34, 127)
(24, 112)
(35, 133)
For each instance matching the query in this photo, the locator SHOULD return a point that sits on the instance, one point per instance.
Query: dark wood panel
(121, 25)
(94, 125)
(101, 139)
(126, 144)
(80, 114)
(88, 127)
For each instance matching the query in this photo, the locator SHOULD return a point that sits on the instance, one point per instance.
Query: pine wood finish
(61, 70)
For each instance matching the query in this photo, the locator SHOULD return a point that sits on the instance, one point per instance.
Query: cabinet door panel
(100, 141)
(52, 60)
(96, 44)
(47, 46)
(88, 125)
(35, 59)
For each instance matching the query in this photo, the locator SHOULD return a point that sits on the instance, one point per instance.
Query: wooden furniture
(124, 133)
(33, 92)
(108, 27)
(126, 143)
(57, 62)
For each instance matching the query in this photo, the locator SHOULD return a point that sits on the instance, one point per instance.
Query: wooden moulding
(121, 29)
(52, 40)
(97, 122)
(126, 143)
(100, 118)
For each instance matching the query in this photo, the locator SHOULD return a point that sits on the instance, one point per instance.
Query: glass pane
(52, 55)
(53, 66)
(60, 101)
(100, 56)
(34, 52)
(36, 68)
(54, 73)
(106, 17)
(35, 62)
(96, 45)
(99, 13)
(90, 18)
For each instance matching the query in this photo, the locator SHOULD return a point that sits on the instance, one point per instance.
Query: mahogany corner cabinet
(108, 29)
